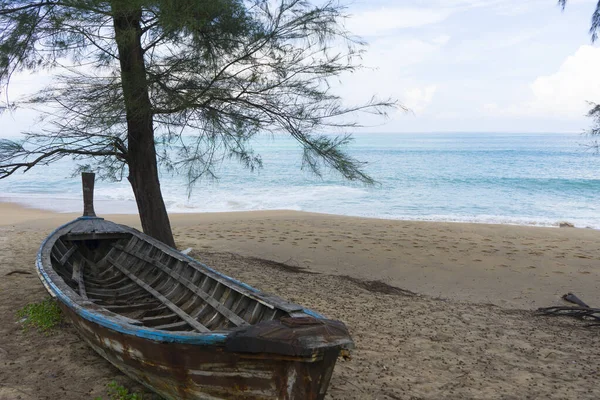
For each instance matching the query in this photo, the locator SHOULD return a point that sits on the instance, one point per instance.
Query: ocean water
(528, 179)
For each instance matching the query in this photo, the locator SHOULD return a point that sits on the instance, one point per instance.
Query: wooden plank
(256, 313)
(136, 266)
(103, 271)
(192, 322)
(237, 303)
(156, 311)
(75, 273)
(272, 316)
(226, 312)
(94, 236)
(68, 254)
(171, 327)
(263, 298)
(117, 294)
(133, 240)
(61, 246)
(133, 307)
(78, 267)
(115, 285)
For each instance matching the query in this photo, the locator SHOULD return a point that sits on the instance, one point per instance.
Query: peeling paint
(291, 381)
(296, 365)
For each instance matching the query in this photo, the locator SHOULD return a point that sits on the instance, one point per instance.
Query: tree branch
(10, 168)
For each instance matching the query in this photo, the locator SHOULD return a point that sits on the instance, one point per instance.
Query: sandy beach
(467, 332)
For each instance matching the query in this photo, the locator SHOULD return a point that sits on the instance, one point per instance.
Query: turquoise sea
(529, 179)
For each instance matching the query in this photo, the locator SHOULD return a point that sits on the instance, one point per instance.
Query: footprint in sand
(582, 256)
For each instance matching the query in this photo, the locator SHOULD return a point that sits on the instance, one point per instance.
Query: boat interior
(152, 288)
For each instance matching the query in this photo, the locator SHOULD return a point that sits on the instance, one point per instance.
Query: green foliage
(595, 25)
(43, 316)
(218, 72)
(118, 392)
(211, 24)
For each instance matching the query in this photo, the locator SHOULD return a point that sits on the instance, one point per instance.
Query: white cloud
(417, 99)
(22, 85)
(386, 20)
(441, 40)
(26, 83)
(393, 52)
(390, 69)
(502, 7)
(564, 93)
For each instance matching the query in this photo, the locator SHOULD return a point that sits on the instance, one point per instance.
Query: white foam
(453, 178)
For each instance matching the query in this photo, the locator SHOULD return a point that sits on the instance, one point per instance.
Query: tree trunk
(141, 154)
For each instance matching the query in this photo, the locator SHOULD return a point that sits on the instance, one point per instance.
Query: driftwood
(581, 311)
(571, 298)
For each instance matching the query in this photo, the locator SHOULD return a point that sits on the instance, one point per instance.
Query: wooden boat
(179, 327)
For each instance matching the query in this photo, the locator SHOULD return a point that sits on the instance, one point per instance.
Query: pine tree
(182, 83)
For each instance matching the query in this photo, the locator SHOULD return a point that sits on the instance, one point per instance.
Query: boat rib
(195, 324)
(234, 318)
(78, 269)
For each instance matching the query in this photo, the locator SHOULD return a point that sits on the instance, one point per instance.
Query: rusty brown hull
(182, 371)
(179, 327)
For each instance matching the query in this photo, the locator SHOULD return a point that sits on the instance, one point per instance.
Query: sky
(479, 65)
(458, 65)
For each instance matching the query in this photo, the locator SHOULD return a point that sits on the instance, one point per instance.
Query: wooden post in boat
(87, 180)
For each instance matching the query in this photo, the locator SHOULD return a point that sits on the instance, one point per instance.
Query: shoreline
(16, 206)
(511, 266)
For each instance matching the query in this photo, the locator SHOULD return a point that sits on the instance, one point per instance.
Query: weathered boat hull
(177, 326)
(180, 371)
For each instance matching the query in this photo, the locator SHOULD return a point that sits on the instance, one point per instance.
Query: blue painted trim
(313, 313)
(245, 285)
(206, 339)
